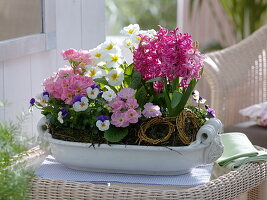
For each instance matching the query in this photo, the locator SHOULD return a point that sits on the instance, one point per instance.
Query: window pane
(20, 18)
(147, 13)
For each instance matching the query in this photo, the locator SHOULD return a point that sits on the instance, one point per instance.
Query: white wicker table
(248, 182)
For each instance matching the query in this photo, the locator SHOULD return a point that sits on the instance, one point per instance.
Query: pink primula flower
(151, 110)
(131, 103)
(126, 93)
(66, 87)
(117, 104)
(131, 116)
(118, 119)
(65, 72)
(69, 54)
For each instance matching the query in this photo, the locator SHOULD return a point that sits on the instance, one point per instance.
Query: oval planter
(135, 159)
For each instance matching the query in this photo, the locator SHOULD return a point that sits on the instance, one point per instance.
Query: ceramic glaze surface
(134, 159)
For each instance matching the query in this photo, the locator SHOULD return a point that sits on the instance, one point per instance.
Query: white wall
(78, 24)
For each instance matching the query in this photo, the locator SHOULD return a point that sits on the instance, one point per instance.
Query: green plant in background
(246, 15)
(14, 177)
(147, 13)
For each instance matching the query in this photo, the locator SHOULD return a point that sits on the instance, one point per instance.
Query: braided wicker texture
(236, 77)
(249, 179)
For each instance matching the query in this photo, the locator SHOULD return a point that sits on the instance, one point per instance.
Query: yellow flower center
(128, 44)
(109, 47)
(92, 93)
(82, 104)
(79, 90)
(130, 31)
(151, 110)
(114, 58)
(92, 72)
(43, 100)
(114, 76)
(103, 125)
(98, 55)
(131, 114)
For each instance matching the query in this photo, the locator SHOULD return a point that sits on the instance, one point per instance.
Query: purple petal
(77, 98)
(64, 112)
(102, 118)
(32, 101)
(46, 93)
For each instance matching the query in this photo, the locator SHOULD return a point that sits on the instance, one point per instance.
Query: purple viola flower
(64, 112)
(95, 86)
(32, 101)
(100, 94)
(102, 118)
(210, 111)
(77, 98)
(46, 93)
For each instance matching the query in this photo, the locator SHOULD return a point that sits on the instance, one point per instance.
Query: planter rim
(192, 146)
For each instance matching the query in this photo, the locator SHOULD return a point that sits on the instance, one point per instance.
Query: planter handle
(208, 135)
(42, 129)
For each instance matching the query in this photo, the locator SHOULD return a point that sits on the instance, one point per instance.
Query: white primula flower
(81, 105)
(109, 95)
(110, 47)
(135, 38)
(92, 93)
(113, 60)
(60, 117)
(102, 125)
(150, 33)
(128, 43)
(115, 77)
(130, 30)
(95, 72)
(97, 54)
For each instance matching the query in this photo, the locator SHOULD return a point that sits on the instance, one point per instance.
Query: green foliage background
(14, 179)
(147, 13)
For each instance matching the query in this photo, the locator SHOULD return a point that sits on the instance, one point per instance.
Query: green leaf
(141, 96)
(129, 69)
(155, 79)
(101, 80)
(114, 134)
(185, 98)
(136, 80)
(176, 98)
(104, 82)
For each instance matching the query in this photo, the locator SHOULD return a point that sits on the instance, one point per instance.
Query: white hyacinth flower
(81, 105)
(115, 77)
(60, 117)
(95, 72)
(103, 125)
(109, 95)
(130, 30)
(113, 60)
(92, 93)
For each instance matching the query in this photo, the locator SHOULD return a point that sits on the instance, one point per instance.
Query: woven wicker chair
(236, 77)
(247, 183)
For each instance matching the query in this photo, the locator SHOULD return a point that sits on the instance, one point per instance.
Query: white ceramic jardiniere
(134, 159)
